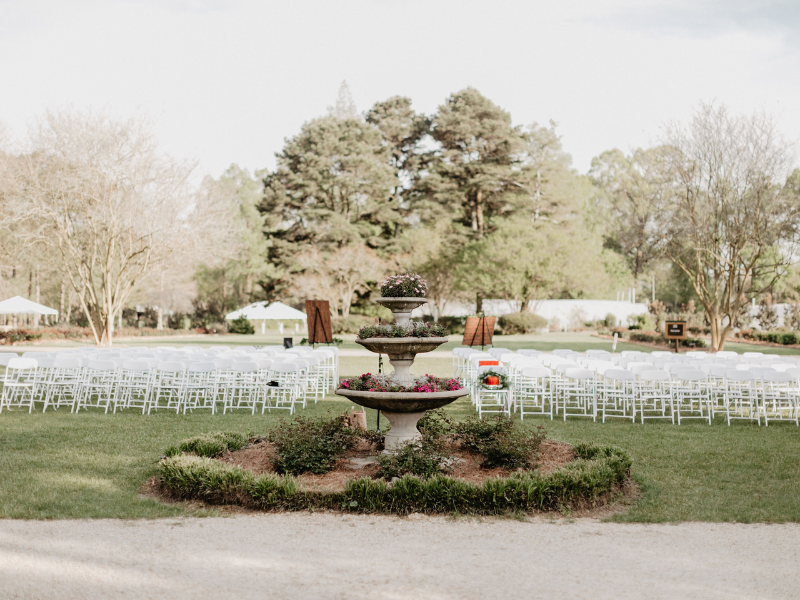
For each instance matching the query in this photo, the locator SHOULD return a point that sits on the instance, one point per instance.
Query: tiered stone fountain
(402, 409)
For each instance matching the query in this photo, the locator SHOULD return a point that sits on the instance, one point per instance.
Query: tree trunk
(61, 301)
(479, 212)
(160, 325)
(38, 292)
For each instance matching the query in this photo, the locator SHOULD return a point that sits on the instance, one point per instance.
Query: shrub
(519, 323)
(12, 336)
(209, 444)
(610, 320)
(241, 325)
(412, 329)
(311, 445)
(408, 285)
(790, 338)
(424, 457)
(649, 337)
(597, 471)
(500, 441)
(435, 423)
(767, 313)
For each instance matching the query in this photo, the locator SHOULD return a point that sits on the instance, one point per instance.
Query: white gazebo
(262, 311)
(21, 306)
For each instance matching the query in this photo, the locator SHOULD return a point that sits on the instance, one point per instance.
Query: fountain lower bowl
(402, 402)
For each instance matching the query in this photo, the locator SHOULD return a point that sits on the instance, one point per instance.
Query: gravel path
(324, 556)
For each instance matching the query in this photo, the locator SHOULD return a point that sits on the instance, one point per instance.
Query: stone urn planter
(402, 409)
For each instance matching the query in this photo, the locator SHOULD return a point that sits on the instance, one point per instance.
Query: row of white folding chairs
(682, 392)
(149, 383)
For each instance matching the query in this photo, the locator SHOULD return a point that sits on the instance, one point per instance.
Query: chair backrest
(135, 365)
(7, 356)
(45, 362)
(689, 374)
(579, 373)
(535, 372)
(673, 367)
(497, 369)
(777, 377)
(101, 365)
(619, 375)
(284, 367)
(498, 352)
(528, 352)
(737, 375)
(655, 375)
(171, 367)
(67, 362)
(244, 367)
(759, 354)
(207, 366)
(21, 364)
(223, 363)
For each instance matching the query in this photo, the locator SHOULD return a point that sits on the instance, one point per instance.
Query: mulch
(258, 458)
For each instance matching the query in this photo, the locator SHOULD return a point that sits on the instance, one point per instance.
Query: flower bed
(409, 285)
(581, 476)
(386, 383)
(412, 329)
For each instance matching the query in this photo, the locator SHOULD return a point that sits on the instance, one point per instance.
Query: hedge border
(596, 472)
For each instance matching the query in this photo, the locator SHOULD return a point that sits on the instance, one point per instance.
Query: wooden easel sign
(318, 319)
(675, 330)
(478, 331)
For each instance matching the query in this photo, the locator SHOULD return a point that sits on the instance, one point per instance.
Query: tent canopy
(20, 306)
(259, 311)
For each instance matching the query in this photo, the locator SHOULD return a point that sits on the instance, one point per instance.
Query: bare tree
(337, 275)
(731, 220)
(97, 191)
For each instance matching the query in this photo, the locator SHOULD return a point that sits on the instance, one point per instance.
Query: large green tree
(472, 171)
(333, 186)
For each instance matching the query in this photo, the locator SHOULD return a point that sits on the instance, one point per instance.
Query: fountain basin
(402, 346)
(402, 401)
(401, 307)
(402, 409)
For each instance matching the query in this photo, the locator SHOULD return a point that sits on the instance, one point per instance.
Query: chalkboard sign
(675, 330)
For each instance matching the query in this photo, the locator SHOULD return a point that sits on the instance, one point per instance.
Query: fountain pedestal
(402, 409)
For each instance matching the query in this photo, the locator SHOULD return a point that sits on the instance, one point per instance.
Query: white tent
(20, 306)
(260, 311)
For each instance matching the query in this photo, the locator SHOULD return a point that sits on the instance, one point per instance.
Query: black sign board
(675, 330)
(287, 343)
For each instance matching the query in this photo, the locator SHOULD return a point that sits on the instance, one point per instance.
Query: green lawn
(60, 465)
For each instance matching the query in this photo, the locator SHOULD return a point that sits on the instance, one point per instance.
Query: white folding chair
(618, 398)
(200, 386)
(779, 397)
(740, 396)
(98, 386)
(489, 400)
(577, 393)
(18, 383)
(134, 385)
(64, 387)
(690, 395)
(282, 389)
(244, 389)
(532, 392)
(167, 389)
(653, 393)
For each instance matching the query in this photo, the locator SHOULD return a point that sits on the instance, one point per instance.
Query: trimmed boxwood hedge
(597, 471)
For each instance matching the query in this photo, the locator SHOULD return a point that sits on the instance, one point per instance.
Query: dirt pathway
(333, 556)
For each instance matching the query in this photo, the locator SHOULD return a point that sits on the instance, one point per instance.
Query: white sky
(226, 80)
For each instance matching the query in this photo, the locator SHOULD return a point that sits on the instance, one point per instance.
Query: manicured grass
(60, 465)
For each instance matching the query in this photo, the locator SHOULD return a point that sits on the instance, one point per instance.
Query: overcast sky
(226, 81)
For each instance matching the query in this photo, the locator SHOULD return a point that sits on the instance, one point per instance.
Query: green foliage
(424, 457)
(412, 329)
(610, 320)
(408, 285)
(597, 472)
(521, 323)
(500, 441)
(12, 336)
(241, 325)
(786, 338)
(209, 444)
(767, 313)
(311, 444)
(502, 377)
